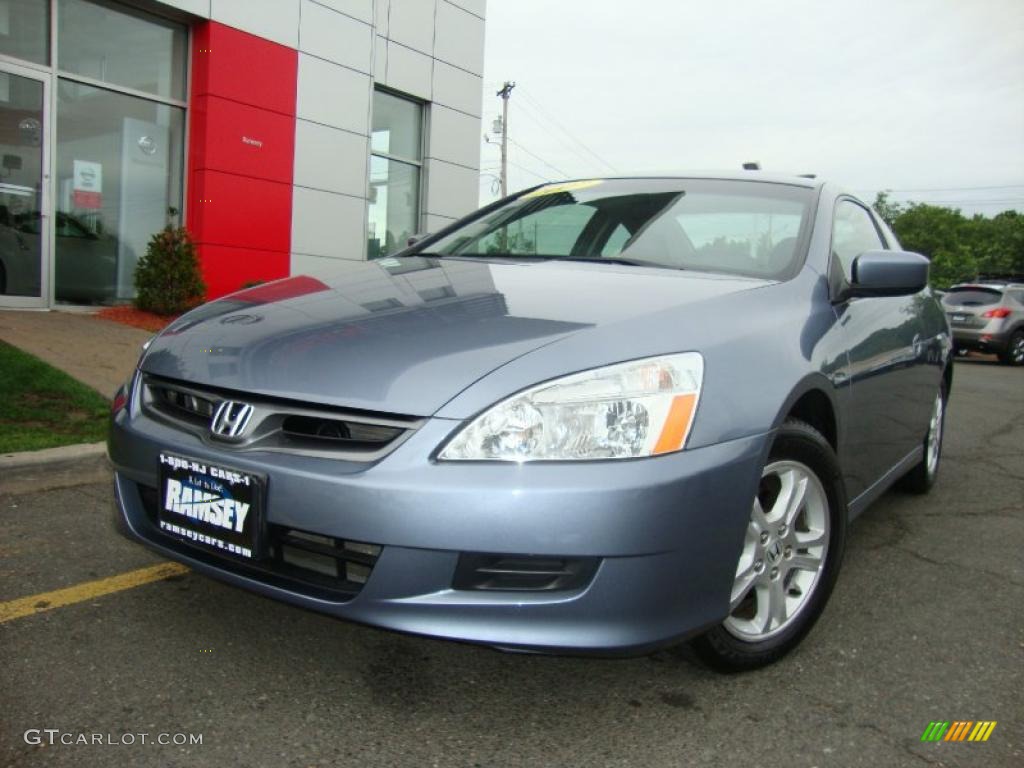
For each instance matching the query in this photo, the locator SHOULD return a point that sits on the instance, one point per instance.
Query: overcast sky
(924, 97)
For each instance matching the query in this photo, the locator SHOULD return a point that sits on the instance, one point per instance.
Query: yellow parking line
(47, 601)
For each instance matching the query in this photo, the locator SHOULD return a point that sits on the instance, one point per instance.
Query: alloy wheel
(784, 552)
(1017, 350)
(934, 436)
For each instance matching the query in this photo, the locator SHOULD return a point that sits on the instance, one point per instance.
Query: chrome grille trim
(278, 425)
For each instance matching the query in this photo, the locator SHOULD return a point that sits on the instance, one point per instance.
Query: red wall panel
(241, 156)
(236, 65)
(236, 138)
(240, 211)
(223, 267)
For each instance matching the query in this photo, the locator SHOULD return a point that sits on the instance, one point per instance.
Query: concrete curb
(31, 471)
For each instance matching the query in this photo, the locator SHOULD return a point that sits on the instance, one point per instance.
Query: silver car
(988, 316)
(602, 416)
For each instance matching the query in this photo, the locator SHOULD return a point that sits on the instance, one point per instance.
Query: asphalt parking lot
(925, 624)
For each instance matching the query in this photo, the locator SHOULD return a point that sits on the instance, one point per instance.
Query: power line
(1011, 201)
(532, 173)
(566, 131)
(953, 189)
(527, 112)
(559, 171)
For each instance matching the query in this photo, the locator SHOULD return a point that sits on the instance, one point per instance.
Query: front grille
(186, 405)
(299, 561)
(338, 431)
(278, 424)
(523, 573)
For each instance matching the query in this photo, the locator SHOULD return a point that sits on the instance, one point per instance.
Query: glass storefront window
(397, 126)
(117, 45)
(118, 171)
(25, 29)
(21, 184)
(396, 156)
(394, 205)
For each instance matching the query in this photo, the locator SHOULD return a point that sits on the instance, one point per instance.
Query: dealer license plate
(211, 506)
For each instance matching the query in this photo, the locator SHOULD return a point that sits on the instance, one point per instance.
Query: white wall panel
(358, 9)
(336, 37)
(195, 7)
(333, 95)
(457, 89)
(435, 222)
(381, 9)
(326, 224)
(276, 20)
(478, 7)
(409, 71)
(459, 38)
(411, 23)
(330, 159)
(380, 59)
(314, 266)
(454, 136)
(451, 189)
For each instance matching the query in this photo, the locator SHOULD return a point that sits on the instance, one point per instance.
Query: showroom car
(602, 416)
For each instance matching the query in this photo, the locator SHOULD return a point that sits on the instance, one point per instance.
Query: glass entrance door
(24, 180)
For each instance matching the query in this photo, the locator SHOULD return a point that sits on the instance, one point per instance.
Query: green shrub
(167, 278)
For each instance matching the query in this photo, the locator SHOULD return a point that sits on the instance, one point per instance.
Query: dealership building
(285, 134)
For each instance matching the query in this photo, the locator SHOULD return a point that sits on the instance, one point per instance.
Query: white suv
(988, 316)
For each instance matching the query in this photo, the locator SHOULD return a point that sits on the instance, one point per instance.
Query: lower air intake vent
(523, 573)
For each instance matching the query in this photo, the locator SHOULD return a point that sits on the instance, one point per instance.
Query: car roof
(771, 178)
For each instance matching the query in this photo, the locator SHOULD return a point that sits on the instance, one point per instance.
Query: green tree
(959, 247)
(886, 208)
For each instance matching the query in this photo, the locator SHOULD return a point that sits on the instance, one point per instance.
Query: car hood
(405, 336)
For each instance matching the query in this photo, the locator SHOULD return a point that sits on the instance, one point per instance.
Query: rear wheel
(922, 477)
(1014, 354)
(792, 550)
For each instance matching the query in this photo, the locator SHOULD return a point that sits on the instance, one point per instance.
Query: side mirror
(413, 239)
(888, 273)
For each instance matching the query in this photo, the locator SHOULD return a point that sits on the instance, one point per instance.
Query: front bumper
(667, 532)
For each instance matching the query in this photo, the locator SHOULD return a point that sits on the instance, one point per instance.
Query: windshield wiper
(616, 260)
(542, 257)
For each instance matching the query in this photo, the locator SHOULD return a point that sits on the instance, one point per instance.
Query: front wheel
(792, 551)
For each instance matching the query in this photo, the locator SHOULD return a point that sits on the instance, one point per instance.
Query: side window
(853, 232)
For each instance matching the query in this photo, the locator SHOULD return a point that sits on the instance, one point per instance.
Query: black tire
(723, 650)
(1014, 352)
(922, 477)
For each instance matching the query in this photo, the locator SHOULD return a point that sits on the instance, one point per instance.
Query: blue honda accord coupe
(599, 416)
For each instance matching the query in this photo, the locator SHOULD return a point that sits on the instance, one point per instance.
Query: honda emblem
(230, 420)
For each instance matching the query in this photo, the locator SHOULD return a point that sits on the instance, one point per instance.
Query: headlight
(622, 411)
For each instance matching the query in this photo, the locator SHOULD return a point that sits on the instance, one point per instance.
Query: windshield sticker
(569, 186)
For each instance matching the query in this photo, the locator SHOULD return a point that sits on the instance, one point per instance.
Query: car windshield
(734, 227)
(972, 297)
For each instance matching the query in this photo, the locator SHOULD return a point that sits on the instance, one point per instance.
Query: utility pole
(504, 93)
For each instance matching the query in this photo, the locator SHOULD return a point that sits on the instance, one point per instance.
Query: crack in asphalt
(952, 563)
(891, 741)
